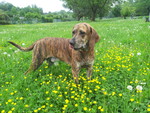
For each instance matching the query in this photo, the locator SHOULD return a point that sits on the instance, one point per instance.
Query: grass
(120, 81)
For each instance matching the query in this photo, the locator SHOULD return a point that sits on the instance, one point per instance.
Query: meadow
(120, 80)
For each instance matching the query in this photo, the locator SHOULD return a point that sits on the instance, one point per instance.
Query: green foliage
(90, 9)
(4, 18)
(142, 7)
(117, 11)
(122, 61)
(127, 10)
(30, 14)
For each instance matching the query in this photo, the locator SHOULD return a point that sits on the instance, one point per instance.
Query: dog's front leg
(89, 72)
(75, 72)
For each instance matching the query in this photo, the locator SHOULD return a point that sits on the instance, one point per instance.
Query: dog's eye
(82, 32)
(73, 32)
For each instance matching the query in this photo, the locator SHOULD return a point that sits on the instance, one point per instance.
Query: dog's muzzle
(72, 44)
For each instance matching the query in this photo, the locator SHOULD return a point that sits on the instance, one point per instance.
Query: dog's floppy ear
(94, 35)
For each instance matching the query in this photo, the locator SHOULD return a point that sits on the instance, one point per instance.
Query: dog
(77, 52)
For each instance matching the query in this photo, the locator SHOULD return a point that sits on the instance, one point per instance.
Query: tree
(75, 6)
(127, 10)
(117, 11)
(142, 7)
(6, 6)
(88, 8)
(29, 14)
(4, 18)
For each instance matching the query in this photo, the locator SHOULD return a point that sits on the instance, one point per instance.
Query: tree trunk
(93, 16)
(149, 16)
(78, 18)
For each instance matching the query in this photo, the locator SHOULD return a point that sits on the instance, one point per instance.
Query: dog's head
(83, 37)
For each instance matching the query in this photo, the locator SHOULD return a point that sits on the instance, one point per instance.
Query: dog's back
(54, 47)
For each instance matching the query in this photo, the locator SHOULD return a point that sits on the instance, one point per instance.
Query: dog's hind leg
(37, 60)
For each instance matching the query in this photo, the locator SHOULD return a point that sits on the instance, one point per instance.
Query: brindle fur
(80, 55)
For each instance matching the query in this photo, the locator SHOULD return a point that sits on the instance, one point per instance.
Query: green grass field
(120, 81)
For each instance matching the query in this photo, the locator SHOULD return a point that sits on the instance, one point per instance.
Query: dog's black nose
(72, 42)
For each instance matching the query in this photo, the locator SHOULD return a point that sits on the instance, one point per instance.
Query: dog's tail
(22, 48)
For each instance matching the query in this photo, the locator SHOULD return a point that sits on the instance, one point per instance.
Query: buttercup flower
(120, 94)
(148, 109)
(85, 108)
(131, 99)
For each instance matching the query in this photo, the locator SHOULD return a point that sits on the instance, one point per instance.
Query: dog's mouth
(71, 46)
(77, 49)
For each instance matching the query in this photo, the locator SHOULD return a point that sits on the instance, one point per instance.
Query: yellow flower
(39, 109)
(139, 91)
(148, 109)
(3, 111)
(6, 89)
(55, 91)
(76, 98)
(102, 110)
(21, 98)
(51, 105)
(90, 91)
(67, 101)
(113, 93)
(148, 105)
(73, 92)
(72, 96)
(100, 107)
(60, 76)
(98, 87)
(10, 100)
(35, 111)
(94, 102)
(9, 111)
(65, 106)
(11, 93)
(13, 103)
(105, 93)
(60, 95)
(131, 99)
(47, 92)
(76, 105)
(12, 109)
(120, 94)
(47, 98)
(46, 66)
(103, 78)
(58, 87)
(85, 108)
(43, 106)
(26, 106)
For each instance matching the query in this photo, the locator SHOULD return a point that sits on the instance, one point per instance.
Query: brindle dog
(78, 51)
